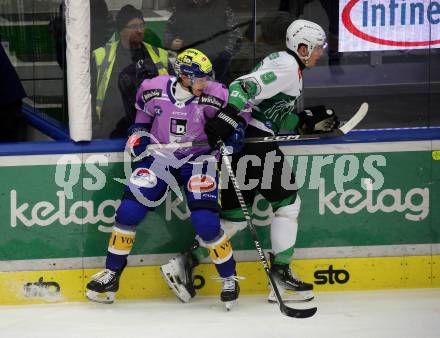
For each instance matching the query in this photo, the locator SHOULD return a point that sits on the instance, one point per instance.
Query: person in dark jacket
(109, 63)
(13, 126)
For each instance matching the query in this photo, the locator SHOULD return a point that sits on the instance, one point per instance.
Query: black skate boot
(291, 288)
(103, 286)
(178, 273)
(230, 291)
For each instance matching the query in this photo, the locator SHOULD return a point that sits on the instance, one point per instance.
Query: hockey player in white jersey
(272, 90)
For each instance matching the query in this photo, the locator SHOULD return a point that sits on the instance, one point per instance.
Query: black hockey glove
(223, 125)
(317, 119)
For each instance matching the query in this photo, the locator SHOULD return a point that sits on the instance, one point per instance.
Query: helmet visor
(320, 48)
(201, 81)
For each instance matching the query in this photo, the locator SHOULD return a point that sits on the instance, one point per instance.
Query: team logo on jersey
(143, 177)
(151, 93)
(211, 101)
(251, 86)
(157, 110)
(178, 126)
(201, 184)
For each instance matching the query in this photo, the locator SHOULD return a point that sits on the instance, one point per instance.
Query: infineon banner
(368, 25)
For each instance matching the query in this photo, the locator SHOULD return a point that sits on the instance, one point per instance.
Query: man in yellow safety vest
(108, 63)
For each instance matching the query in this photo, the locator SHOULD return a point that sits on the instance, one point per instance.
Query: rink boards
(56, 211)
(142, 282)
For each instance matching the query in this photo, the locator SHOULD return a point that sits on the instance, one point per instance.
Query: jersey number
(268, 77)
(274, 56)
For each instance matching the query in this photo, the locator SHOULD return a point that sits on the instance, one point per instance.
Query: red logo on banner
(348, 23)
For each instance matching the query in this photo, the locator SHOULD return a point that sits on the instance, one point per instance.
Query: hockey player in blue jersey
(172, 110)
(272, 89)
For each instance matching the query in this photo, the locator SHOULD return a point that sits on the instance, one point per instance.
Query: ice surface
(400, 313)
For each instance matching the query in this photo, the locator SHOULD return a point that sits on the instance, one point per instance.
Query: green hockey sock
(284, 257)
(200, 253)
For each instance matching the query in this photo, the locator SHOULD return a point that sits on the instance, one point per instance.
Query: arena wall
(58, 200)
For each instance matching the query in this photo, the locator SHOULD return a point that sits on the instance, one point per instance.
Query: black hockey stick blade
(297, 313)
(288, 311)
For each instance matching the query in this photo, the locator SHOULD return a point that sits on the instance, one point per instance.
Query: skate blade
(179, 290)
(103, 298)
(230, 304)
(289, 296)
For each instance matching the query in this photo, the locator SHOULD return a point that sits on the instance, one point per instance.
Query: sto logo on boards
(331, 276)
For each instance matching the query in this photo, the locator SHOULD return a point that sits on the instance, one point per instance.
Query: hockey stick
(290, 312)
(347, 127)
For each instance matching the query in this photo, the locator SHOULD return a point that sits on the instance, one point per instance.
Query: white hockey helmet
(307, 33)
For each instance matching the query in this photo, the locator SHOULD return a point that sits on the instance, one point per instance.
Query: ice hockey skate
(178, 275)
(291, 288)
(103, 286)
(230, 291)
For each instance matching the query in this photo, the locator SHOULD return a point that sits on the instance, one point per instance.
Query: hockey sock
(207, 225)
(119, 247)
(220, 251)
(235, 215)
(284, 257)
(283, 231)
(229, 227)
(292, 199)
(200, 253)
(227, 268)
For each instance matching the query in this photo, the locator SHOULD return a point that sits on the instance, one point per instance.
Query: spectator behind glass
(129, 81)
(13, 126)
(109, 117)
(208, 25)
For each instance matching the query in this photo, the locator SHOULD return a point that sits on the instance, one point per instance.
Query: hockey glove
(223, 125)
(235, 142)
(138, 140)
(317, 119)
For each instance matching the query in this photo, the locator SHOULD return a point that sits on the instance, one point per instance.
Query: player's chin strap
(190, 87)
(180, 92)
(347, 127)
(301, 62)
(191, 79)
(290, 312)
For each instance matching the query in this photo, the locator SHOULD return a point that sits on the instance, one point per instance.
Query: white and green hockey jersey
(272, 89)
